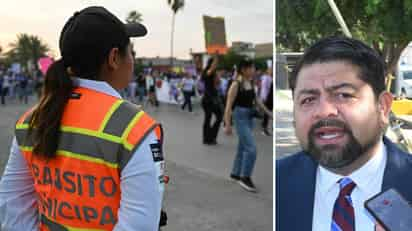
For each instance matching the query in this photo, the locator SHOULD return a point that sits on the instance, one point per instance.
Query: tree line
(383, 24)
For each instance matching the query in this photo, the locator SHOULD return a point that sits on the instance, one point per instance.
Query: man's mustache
(328, 123)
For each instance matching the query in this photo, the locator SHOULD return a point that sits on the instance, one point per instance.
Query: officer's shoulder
(137, 108)
(132, 107)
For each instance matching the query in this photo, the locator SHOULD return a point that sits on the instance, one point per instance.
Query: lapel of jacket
(397, 170)
(306, 197)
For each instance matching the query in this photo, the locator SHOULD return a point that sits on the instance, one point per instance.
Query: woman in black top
(211, 103)
(242, 98)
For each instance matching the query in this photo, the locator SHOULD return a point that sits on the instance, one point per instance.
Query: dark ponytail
(44, 129)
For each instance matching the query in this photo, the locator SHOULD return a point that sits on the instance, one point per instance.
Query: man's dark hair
(355, 52)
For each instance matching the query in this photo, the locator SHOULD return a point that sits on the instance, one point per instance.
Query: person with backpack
(242, 98)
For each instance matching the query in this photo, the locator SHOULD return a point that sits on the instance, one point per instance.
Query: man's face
(337, 117)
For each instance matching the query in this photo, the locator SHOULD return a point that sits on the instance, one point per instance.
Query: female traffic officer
(83, 158)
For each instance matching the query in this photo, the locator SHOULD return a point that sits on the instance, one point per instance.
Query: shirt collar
(100, 86)
(362, 176)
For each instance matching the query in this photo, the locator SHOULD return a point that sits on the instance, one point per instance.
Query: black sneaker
(247, 184)
(210, 142)
(234, 177)
(266, 132)
(214, 142)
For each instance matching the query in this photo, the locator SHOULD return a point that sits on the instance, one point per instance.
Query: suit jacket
(296, 181)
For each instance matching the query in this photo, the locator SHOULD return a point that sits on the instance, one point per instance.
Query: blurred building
(285, 63)
(162, 64)
(406, 55)
(262, 50)
(244, 48)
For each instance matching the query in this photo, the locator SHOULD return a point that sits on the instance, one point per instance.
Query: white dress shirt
(368, 181)
(141, 192)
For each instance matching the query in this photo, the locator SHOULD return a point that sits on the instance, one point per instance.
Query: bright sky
(249, 21)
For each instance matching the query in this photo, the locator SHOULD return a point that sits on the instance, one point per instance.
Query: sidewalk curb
(284, 101)
(284, 94)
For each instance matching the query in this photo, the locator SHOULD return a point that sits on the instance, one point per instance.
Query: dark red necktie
(343, 218)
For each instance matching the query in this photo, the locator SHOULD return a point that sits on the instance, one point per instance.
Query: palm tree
(175, 5)
(134, 17)
(39, 49)
(27, 48)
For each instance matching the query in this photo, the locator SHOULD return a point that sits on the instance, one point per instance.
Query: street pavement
(286, 142)
(200, 195)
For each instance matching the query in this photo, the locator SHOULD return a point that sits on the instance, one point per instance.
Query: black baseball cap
(92, 32)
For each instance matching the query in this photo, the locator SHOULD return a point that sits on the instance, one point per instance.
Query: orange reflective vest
(79, 189)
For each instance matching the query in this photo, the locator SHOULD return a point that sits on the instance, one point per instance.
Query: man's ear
(113, 60)
(384, 106)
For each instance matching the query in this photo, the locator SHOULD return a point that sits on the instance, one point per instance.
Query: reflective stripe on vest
(53, 226)
(79, 189)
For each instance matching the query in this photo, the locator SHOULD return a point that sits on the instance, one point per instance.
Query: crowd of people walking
(19, 86)
(235, 97)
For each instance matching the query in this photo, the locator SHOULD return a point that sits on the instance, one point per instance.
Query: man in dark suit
(341, 110)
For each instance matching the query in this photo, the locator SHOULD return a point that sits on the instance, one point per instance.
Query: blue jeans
(188, 100)
(140, 92)
(246, 150)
